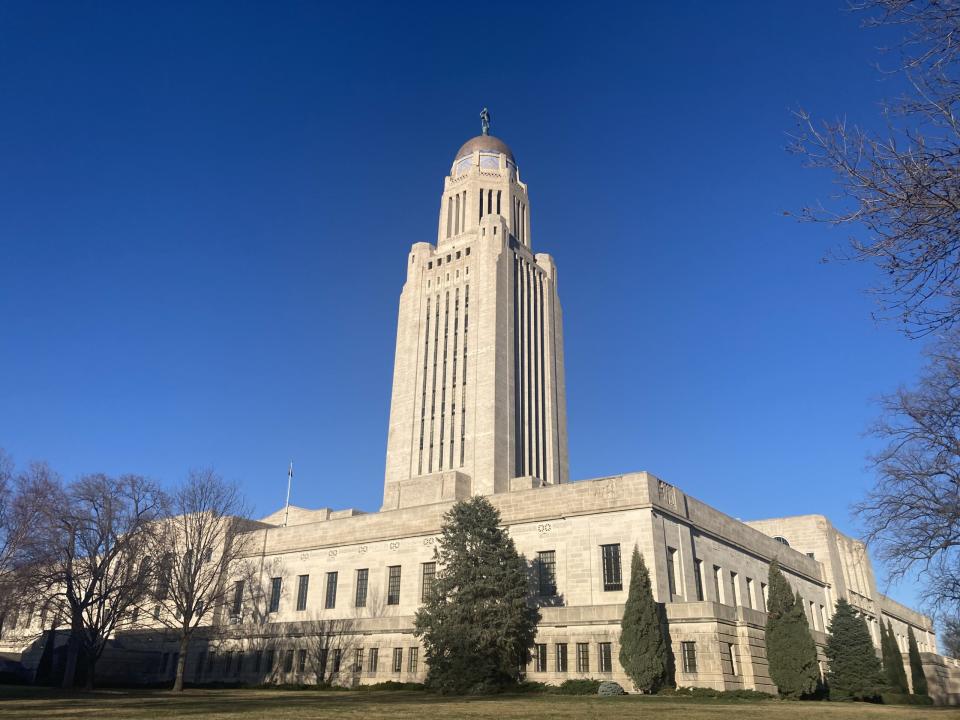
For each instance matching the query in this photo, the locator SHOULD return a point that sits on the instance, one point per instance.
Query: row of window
(435, 282)
(450, 258)
(604, 657)
(361, 588)
(287, 660)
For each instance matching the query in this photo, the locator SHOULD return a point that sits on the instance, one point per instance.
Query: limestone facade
(478, 407)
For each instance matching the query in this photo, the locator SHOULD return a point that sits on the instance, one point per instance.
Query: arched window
(782, 540)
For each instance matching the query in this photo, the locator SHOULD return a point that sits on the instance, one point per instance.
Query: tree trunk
(181, 662)
(73, 651)
(91, 670)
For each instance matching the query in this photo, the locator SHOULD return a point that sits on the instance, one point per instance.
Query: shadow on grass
(240, 702)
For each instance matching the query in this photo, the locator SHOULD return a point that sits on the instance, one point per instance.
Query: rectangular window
(358, 660)
(763, 595)
(374, 659)
(428, 578)
(672, 572)
(237, 599)
(736, 589)
(322, 662)
(301, 660)
(734, 665)
(540, 657)
(824, 622)
(606, 658)
(547, 573)
(813, 615)
(750, 603)
(337, 658)
(413, 655)
(561, 657)
(271, 659)
(275, 587)
(288, 661)
(718, 580)
(698, 577)
(688, 651)
(302, 585)
(611, 567)
(393, 585)
(331, 600)
(363, 576)
(258, 661)
(397, 659)
(583, 657)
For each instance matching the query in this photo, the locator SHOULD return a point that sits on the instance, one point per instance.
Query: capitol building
(478, 407)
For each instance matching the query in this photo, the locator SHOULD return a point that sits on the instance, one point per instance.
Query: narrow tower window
(463, 391)
(423, 394)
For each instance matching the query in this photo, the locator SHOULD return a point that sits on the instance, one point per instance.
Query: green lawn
(36, 703)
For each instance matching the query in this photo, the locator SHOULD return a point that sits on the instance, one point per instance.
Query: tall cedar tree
(893, 670)
(791, 652)
(477, 624)
(643, 648)
(916, 665)
(854, 666)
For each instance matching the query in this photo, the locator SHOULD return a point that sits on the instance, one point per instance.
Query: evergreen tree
(643, 648)
(854, 666)
(791, 652)
(477, 625)
(893, 670)
(916, 665)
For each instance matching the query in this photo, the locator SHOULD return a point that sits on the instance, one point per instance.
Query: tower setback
(478, 403)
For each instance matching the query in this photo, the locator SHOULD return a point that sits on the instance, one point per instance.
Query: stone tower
(478, 403)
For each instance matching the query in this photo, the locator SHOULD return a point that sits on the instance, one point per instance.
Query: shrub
(579, 687)
(532, 688)
(893, 698)
(610, 688)
(711, 694)
(392, 685)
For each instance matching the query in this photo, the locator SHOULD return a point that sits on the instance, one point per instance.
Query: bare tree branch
(902, 189)
(912, 515)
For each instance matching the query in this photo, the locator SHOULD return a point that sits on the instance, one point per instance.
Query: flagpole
(286, 512)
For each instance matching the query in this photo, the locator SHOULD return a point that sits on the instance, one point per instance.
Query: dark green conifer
(643, 648)
(854, 672)
(791, 652)
(477, 624)
(893, 670)
(916, 665)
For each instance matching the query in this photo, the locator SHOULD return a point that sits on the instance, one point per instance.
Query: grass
(49, 704)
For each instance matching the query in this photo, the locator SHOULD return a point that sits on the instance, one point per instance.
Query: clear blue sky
(205, 211)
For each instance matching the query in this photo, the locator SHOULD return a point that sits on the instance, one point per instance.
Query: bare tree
(85, 549)
(193, 552)
(951, 637)
(328, 643)
(912, 515)
(23, 498)
(902, 187)
(11, 536)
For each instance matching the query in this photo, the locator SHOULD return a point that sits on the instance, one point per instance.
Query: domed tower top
(484, 143)
(483, 187)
